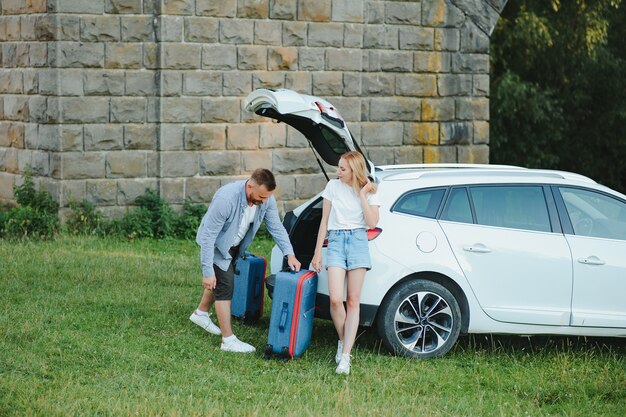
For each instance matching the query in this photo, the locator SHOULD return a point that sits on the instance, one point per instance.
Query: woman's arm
(321, 235)
(370, 213)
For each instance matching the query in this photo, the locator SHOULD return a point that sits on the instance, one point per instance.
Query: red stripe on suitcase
(296, 311)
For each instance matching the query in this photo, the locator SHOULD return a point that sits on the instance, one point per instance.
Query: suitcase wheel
(284, 354)
(268, 352)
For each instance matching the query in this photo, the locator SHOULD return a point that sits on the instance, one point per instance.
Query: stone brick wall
(105, 98)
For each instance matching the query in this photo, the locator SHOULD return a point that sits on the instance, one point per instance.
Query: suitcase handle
(283, 317)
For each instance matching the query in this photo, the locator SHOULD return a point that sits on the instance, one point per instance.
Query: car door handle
(591, 260)
(477, 248)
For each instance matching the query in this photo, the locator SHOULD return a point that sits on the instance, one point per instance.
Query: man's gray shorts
(225, 280)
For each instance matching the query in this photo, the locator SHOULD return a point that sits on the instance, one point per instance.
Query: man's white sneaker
(236, 345)
(206, 323)
(344, 364)
(339, 352)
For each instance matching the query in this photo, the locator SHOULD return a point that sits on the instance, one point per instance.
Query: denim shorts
(348, 249)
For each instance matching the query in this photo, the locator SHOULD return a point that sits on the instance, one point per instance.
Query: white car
(469, 248)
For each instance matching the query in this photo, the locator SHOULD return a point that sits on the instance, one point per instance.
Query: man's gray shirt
(220, 224)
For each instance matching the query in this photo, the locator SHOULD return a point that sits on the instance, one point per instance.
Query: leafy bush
(3, 220)
(36, 215)
(136, 224)
(160, 214)
(187, 223)
(84, 220)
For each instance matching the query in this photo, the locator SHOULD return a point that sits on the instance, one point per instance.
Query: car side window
(515, 207)
(595, 214)
(423, 203)
(458, 207)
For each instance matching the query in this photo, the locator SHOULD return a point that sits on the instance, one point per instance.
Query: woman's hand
(367, 188)
(317, 262)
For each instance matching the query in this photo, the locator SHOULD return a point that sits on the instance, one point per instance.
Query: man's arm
(278, 232)
(211, 226)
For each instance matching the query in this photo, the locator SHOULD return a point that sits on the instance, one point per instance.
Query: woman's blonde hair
(357, 164)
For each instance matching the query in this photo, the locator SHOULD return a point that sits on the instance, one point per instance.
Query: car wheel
(419, 319)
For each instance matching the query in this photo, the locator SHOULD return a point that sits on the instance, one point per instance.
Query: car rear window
(423, 203)
(458, 207)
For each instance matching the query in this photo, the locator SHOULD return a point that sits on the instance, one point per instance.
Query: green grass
(100, 327)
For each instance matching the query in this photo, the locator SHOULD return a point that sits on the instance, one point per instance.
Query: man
(226, 230)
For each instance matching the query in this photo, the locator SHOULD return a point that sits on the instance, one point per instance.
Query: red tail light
(371, 235)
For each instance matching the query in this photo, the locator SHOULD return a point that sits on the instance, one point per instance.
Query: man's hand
(293, 263)
(208, 283)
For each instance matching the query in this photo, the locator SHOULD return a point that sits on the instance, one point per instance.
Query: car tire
(419, 319)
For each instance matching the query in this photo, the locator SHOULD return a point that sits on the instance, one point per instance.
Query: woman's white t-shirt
(346, 211)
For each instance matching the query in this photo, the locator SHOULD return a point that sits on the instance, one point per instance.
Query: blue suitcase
(291, 320)
(248, 291)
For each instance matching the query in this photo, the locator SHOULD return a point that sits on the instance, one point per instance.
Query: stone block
(481, 132)
(12, 28)
(22, 7)
(282, 58)
(315, 11)
(242, 137)
(101, 192)
(47, 137)
(172, 137)
(69, 83)
(253, 9)
(311, 59)
(397, 108)
(11, 81)
(252, 57)
(77, 55)
(326, 35)
(202, 83)
(447, 40)
(140, 83)
(181, 56)
(140, 136)
(38, 55)
(80, 165)
(122, 6)
(107, 83)
(201, 29)
(31, 83)
(171, 83)
(294, 161)
(477, 154)
(9, 161)
(100, 28)
(456, 133)
(403, 13)
(220, 163)
(351, 84)
(396, 61)
(54, 27)
(237, 83)
(137, 29)
(440, 154)
(43, 109)
(380, 37)
(421, 134)
(84, 109)
(285, 187)
(236, 31)
(267, 33)
(252, 160)
(205, 137)
(349, 108)
(454, 84)
(219, 57)
(172, 190)
(170, 29)
(346, 59)
(179, 164)
(178, 7)
(123, 55)
(128, 190)
(301, 82)
(307, 186)
(472, 109)
(417, 85)
(416, 38)
(353, 35)
(7, 181)
(13, 135)
(381, 156)
(431, 62)
(126, 164)
(440, 13)
(377, 84)
(128, 110)
(201, 189)
(221, 110)
(408, 155)
(473, 39)
(480, 85)
(104, 137)
(76, 6)
(437, 109)
(16, 108)
(483, 14)
(72, 191)
(348, 11)
(27, 28)
(71, 137)
(151, 56)
(273, 135)
(216, 8)
(470, 63)
(181, 110)
(327, 84)
(294, 33)
(283, 9)
(381, 133)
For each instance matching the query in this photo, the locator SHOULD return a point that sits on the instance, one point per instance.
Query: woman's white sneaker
(235, 345)
(206, 323)
(344, 364)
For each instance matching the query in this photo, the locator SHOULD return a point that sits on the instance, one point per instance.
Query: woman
(350, 207)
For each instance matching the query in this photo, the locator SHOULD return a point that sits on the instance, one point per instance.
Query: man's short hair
(262, 176)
